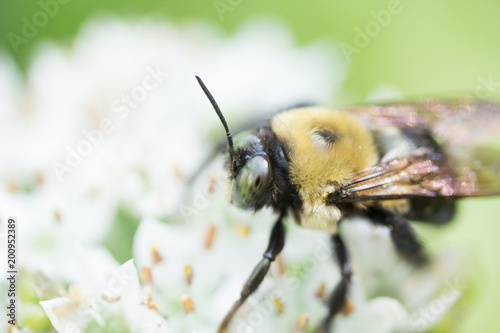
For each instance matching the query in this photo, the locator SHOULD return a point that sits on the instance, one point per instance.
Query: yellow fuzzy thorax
(315, 164)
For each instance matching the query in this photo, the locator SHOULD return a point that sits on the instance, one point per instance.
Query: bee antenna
(221, 117)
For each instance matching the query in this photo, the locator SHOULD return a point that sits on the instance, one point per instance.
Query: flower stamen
(157, 258)
(209, 236)
(188, 271)
(153, 305)
(280, 263)
(243, 229)
(187, 303)
(146, 275)
(57, 215)
(348, 308)
(211, 184)
(302, 323)
(279, 305)
(320, 291)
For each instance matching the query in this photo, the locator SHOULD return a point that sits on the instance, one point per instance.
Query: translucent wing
(462, 122)
(463, 168)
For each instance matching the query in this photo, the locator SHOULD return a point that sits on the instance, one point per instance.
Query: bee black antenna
(221, 117)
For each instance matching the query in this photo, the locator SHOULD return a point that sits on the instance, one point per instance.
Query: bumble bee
(390, 163)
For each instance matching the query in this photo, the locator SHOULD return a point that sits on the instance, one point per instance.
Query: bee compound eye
(246, 138)
(252, 182)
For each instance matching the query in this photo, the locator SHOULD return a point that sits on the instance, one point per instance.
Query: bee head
(249, 165)
(251, 170)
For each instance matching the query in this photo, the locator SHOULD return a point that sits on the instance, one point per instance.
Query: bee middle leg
(276, 243)
(402, 233)
(337, 298)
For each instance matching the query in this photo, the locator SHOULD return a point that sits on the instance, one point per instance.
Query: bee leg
(402, 233)
(276, 243)
(338, 296)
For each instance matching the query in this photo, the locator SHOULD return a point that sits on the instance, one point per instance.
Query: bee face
(257, 165)
(253, 171)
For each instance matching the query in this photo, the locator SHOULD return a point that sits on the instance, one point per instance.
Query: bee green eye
(252, 182)
(246, 138)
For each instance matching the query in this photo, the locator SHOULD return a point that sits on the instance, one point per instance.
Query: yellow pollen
(320, 291)
(146, 275)
(243, 229)
(187, 303)
(348, 308)
(153, 305)
(302, 323)
(156, 255)
(279, 305)
(188, 271)
(57, 215)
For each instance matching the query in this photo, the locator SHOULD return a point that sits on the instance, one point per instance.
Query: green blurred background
(429, 48)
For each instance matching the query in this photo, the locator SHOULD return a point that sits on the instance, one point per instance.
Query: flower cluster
(101, 140)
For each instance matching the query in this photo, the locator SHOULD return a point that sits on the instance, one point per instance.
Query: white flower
(121, 297)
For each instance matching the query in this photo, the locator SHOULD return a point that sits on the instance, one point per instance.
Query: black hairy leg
(402, 233)
(337, 298)
(276, 243)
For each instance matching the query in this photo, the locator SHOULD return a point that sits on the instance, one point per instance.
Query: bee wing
(426, 173)
(470, 168)
(461, 122)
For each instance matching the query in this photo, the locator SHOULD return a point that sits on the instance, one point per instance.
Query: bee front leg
(276, 243)
(338, 296)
